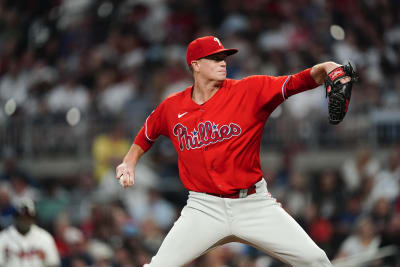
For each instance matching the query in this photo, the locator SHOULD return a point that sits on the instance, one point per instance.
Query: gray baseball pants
(258, 220)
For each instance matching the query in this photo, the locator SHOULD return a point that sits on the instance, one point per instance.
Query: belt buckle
(243, 193)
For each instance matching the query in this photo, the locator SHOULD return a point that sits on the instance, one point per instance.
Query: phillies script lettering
(205, 134)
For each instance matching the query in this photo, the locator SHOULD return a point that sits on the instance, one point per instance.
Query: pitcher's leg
(192, 234)
(272, 229)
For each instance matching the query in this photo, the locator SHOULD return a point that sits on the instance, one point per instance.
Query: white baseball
(121, 180)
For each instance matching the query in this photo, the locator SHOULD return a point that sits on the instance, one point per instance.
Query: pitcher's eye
(216, 57)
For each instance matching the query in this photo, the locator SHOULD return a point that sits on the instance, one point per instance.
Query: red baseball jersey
(218, 142)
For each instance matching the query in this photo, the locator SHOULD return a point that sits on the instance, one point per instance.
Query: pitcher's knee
(316, 257)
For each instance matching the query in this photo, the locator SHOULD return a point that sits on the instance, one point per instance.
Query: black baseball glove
(339, 93)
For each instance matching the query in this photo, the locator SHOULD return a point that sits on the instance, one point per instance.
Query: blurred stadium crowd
(79, 77)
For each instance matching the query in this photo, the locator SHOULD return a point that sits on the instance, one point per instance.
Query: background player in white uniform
(25, 244)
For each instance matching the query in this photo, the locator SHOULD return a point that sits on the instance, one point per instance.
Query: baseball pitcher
(216, 127)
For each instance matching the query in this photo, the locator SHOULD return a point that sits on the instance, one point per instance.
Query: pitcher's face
(213, 67)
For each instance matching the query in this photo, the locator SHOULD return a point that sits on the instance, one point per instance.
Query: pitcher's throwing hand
(125, 175)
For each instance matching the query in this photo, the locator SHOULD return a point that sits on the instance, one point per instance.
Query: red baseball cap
(205, 46)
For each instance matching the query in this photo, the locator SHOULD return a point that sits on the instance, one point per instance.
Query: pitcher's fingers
(131, 180)
(119, 173)
(126, 179)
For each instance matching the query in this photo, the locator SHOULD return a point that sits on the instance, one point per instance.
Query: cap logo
(218, 41)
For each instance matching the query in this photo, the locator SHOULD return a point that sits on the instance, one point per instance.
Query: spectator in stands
(154, 207)
(386, 182)
(363, 241)
(108, 149)
(77, 250)
(14, 84)
(20, 188)
(11, 166)
(53, 201)
(82, 196)
(362, 166)
(328, 195)
(152, 235)
(113, 99)
(101, 252)
(381, 214)
(348, 218)
(391, 237)
(215, 258)
(297, 197)
(68, 94)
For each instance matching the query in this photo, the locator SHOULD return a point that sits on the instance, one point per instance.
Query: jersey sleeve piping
(284, 95)
(145, 131)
